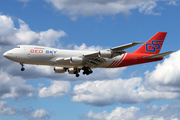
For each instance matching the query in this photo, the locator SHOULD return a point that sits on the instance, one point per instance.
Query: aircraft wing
(115, 51)
(122, 47)
(93, 59)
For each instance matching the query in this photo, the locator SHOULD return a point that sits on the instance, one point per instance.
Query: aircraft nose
(8, 55)
(5, 54)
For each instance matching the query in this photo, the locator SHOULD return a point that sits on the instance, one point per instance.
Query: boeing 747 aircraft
(73, 60)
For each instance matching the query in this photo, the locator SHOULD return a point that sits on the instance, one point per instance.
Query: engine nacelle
(105, 54)
(73, 70)
(59, 70)
(76, 60)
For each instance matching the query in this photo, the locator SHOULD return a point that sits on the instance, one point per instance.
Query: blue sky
(147, 91)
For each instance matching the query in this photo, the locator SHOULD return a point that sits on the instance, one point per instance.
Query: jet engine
(105, 54)
(59, 70)
(76, 60)
(73, 70)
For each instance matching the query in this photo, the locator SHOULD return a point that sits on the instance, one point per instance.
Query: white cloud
(24, 35)
(57, 89)
(118, 114)
(101, 93)
(4, 110)
(85, 48)
(6, 26)
(166, 75)
(148, 9)
(31, 114)
(173, 2)
(50, 37)
(102, 7)
(39, 115)
(164, 112)
(130, 91)
(14, 87)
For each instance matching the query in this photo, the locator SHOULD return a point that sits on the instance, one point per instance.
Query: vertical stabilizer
(153, 45)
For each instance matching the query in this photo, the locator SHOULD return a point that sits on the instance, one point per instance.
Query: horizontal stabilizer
(158, 55)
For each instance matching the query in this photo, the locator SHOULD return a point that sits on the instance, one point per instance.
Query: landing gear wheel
(77, 75)
(22, 69)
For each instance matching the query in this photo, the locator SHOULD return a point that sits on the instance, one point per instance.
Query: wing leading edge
(115, 50)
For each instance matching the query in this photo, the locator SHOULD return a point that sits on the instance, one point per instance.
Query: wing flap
(158, 55)
(95, 62)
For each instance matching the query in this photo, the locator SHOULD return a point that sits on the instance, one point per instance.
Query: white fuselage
(37, 55)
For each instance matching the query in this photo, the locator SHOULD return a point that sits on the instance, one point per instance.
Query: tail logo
(153, 46)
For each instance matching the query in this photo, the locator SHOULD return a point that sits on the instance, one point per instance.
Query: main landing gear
(22, 67)
(87, 70)
(77, 73)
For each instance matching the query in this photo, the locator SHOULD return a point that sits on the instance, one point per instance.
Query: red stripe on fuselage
(120, 60)
(114, 64)
(111, 63)
(136, 58)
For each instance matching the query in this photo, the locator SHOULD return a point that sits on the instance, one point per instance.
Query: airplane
(73, 61)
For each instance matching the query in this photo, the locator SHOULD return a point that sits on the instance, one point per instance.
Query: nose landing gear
(22, 67)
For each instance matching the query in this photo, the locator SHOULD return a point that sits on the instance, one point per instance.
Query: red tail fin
(153, 45)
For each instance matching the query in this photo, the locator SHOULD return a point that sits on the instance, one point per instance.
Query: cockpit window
(18, 46)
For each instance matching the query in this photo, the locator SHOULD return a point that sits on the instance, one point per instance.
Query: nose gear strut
(22, 67)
